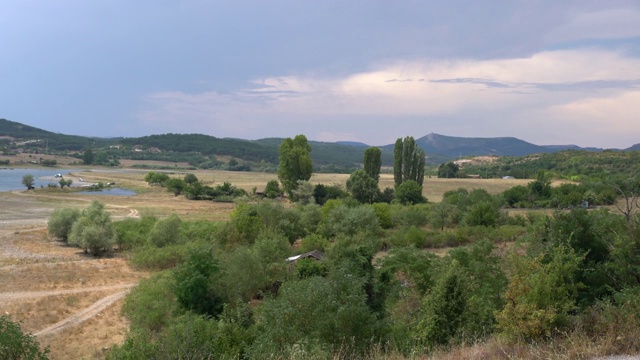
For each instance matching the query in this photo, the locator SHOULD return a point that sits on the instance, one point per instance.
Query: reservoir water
(11, 179)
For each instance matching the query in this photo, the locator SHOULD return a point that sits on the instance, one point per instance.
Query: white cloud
(462, 98)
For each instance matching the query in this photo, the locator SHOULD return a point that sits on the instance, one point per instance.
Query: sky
(548, 72)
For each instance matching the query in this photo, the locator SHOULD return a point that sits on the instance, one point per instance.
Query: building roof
(316, 254)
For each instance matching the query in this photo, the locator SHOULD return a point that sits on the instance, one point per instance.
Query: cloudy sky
(545, 71)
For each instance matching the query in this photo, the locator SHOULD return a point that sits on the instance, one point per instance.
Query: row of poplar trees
(408, 161)
(295, 162)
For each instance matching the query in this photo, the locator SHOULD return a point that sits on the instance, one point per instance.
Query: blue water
(109, 191)
(12, 179)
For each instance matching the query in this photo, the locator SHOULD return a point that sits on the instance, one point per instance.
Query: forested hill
(207, 145)
(453, 147)
(339, 157)
(31, 137)
(634, 147)
(567, 164)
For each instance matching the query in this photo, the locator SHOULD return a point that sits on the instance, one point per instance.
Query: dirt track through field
(83, 315)
(13, 296)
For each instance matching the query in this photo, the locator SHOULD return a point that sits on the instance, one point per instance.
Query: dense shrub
(351, 220)
(155, 258)
(409, 192)
(194, 282)
(323, 193)
(93, 231)
(540, 295)
(415, 215)
(166, 231)
(150, 305)
(61, 222)
(133, 233)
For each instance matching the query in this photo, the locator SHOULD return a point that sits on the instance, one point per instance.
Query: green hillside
(29, 137)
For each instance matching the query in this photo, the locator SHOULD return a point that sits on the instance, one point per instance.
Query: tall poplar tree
(373, 162)
(397, 162)
(295, 162)
(408, 161)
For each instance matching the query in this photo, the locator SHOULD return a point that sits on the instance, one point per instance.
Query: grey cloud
(487, 82)
(566, 86)
(587, 85)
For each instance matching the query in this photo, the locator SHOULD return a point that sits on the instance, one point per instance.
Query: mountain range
(439, 148)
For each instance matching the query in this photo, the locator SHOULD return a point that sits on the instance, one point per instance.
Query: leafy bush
(323, 193)
(155, 258)
(409, 192)
(150, 305)
(93, 231)
(133, 233)
(383, 212)
(540, 294)
(194, 279)
(154, 178)
(166, 231)
(298, 316)
(482, 214)
(314, 242)
(443, 309)
(349, 221)
(243, 274)
(410, 215)
(272, 190)
(14, 344)
(61, 222)
(363, 187)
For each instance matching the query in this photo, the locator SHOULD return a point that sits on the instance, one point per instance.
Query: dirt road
(70, 301)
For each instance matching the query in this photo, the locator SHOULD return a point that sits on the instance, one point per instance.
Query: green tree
(410, 192)
(443, 309)
(154, 178)
(482, 214)
(303, 193)
(28, 181)
(66, 183)
(88, 157)
(190, 179)
(441, 215)
(409, 161)
(176, 186)
(363, 187)
(323, 193)
(373, 162)
(93, 231)
(16, 345)
(194, 283)
(448, 170)
(242, 274)
(540, 294)
(61, 222)
(295, 162)
(299, 317)
(166, 231)
(151, 304)
(516, 195)
(272, 189)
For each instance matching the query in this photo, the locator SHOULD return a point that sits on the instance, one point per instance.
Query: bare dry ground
(72, 301)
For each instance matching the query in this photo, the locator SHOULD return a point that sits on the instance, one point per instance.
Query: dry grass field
(72, 301)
